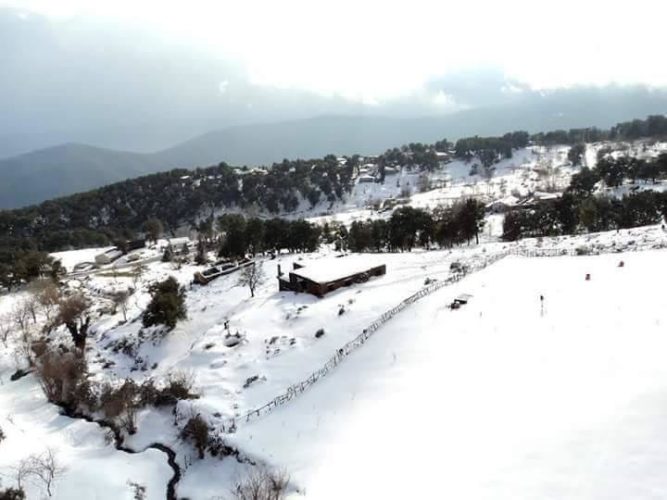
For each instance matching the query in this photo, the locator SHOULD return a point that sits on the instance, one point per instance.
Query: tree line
(410, 227)
(579, 210)
(118, 212)
(243, 236)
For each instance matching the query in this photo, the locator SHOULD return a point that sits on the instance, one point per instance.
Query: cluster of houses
(115, 253)
(180, 246)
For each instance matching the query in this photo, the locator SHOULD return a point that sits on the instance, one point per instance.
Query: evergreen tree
(167, 305)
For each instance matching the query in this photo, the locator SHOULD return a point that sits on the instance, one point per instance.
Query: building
(108, 257)
(175, 242)
(326, 275)
(220, 268)
(135, 245)
(502, 205)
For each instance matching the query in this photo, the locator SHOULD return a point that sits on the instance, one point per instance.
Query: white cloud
(374, 50)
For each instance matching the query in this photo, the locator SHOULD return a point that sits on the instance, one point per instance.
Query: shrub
(319, 333)
(63, 379)
(178, 387)
(168, 254)
(138, 490)
(12, 494)
(167, 304)
(261, 484)
(122, 403)
(197, 431)
(2, 435)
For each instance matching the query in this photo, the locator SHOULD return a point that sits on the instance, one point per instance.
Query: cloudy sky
(195, 65)
(372, 50)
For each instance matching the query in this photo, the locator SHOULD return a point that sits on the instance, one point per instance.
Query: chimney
(279, 271)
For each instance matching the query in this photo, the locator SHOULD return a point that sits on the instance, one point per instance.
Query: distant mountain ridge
(66, 169)
(70, 168)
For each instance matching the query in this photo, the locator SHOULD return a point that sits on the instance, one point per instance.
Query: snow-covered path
(495, 400)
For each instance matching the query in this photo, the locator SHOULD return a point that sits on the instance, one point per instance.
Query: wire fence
(298, 388)
(486, 260)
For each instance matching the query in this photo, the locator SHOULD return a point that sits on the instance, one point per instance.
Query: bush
(197, 431)
(261, 484)
(319, 333)
(2, 435)
(138, 490)
(178, 387)
(167, 304)
(12, 494)
(63, 379)
(122, 402)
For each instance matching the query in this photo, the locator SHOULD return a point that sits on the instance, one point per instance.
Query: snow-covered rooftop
(330, 269)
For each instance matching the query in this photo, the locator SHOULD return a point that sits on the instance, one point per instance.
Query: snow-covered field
(497, 399)
(502, 398)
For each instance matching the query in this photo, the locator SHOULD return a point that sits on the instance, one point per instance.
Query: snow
(495, 400)
(92, 468)
(331, 269)
(489, 401)
(71, 258)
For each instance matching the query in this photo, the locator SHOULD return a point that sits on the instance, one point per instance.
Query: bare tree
(20, 317)
(137, 271)
(5, 328)
(43, 468)
(72, 314)
(261, 484)
(49, 298)
(121, 300)
(31, 305)
(45, 297)
(252, 276)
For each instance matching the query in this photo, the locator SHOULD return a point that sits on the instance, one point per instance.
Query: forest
(189, 197)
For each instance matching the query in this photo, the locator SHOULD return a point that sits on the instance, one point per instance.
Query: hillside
(67, 169)
(496, 400)
(512, 399)
(364, 134)
(63, 170)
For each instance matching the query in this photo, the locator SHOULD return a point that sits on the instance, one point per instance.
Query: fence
(296, 389)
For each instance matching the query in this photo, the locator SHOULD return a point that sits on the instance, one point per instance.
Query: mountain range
(69, 168)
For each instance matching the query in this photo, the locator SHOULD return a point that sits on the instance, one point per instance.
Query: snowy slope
(495, 400)
(91, 467)
(433, 390)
